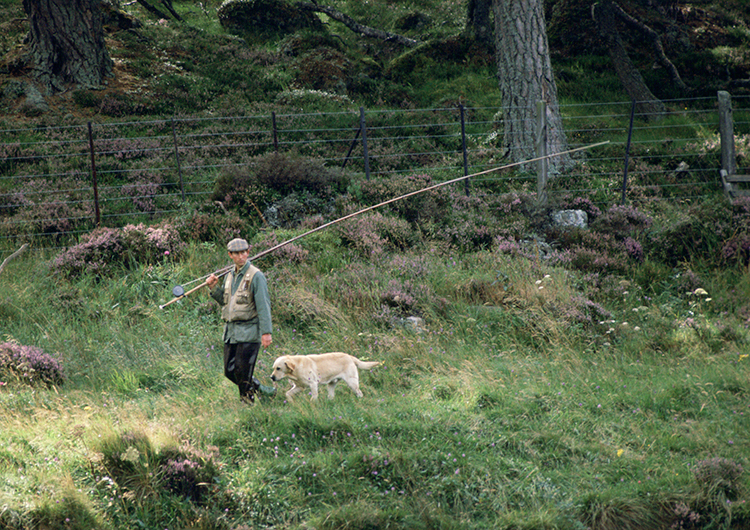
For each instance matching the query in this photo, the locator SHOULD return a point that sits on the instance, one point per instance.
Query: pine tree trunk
(631, 79)
(525, 77)
(479, 21)
(66, 43)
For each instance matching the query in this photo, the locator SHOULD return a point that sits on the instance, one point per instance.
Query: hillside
(533, 376)
(166, 66)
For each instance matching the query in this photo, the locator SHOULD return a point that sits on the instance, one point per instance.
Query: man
(246, 309)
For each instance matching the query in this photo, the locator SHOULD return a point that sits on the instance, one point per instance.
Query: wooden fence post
(541, 151)
(726, 130)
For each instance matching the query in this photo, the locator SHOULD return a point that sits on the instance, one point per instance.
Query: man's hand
(211, 281)
(265, 340)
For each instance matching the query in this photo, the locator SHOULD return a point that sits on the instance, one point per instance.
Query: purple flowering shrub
(373, 234)
(403, 299)
(29, 364)
(39, 206)
(719, 474)
(290, 254)
(581, 203)
(582, 311)
(149, 244)
(104, 249)
(621, 221)
(736, 249)
(189, 472)
(139, 469)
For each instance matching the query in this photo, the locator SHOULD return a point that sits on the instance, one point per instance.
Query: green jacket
(255, 294)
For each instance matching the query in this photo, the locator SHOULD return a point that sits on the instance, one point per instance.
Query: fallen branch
(14, 255)
(356, 27)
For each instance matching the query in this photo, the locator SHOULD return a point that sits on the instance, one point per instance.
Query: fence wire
(59, 182)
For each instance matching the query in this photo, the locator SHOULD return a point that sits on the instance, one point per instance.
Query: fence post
(541, 152)
(463, 148)
(97, 214)
(177, 159)
(275, 133)
(726, 131)
(363, 128)
(627, 153)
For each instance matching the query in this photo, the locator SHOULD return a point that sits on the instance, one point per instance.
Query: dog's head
(282, 367)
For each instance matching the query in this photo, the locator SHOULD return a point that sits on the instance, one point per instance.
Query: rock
(571, 218)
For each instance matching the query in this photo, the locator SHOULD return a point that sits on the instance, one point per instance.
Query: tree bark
(646, 103)
(525, 77)
(66, 43)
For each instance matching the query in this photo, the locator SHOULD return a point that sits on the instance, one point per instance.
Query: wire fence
(58, 181)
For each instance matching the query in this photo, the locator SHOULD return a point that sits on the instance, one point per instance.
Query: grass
(497, 415)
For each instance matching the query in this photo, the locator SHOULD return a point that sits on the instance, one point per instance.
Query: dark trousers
(239, 364)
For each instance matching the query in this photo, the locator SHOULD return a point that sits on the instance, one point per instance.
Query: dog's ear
(289, 365)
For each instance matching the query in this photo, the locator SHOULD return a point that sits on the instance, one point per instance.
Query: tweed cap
(237, 245)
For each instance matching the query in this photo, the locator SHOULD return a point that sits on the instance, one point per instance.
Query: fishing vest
(241, 304)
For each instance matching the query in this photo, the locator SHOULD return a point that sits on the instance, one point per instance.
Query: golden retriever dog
(311, 371)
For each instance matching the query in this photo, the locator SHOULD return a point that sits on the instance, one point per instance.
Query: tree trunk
(479, 21)
(646, 103)
(66, 43)
(525, 76)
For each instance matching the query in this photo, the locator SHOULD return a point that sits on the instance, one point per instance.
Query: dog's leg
(292, 391)
(314, 390)
(332, 389)
(353, 382)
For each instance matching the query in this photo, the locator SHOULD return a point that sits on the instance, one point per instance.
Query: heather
(557, 378)
(534, 376)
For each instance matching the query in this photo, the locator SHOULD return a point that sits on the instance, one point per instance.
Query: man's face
(239, 258)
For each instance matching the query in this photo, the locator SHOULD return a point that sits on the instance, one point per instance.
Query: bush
(105, 248)
(273, 177)
(265, 16)
(29, 364)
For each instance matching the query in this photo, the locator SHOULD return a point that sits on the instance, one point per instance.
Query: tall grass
(499, 412)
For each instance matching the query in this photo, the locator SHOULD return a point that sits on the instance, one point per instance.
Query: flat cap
(237, 245)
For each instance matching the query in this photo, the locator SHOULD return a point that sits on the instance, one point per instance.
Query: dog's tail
(365, 365)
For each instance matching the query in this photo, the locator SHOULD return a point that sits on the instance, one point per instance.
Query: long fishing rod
(180, 293)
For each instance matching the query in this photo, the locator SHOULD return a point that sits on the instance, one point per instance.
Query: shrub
(104, 248)
(29, 364)
(372, 234)
(718, 474)
(188, 471)
(621, 221)
(265, 16)
(274, 176)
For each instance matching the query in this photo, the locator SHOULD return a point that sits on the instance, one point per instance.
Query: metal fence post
(463, 148)
(627, 153)
(97, 214)
(177, 159)
(363, 128)
(275, 132)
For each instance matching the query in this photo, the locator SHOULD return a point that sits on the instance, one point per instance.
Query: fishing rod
(180, 293)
